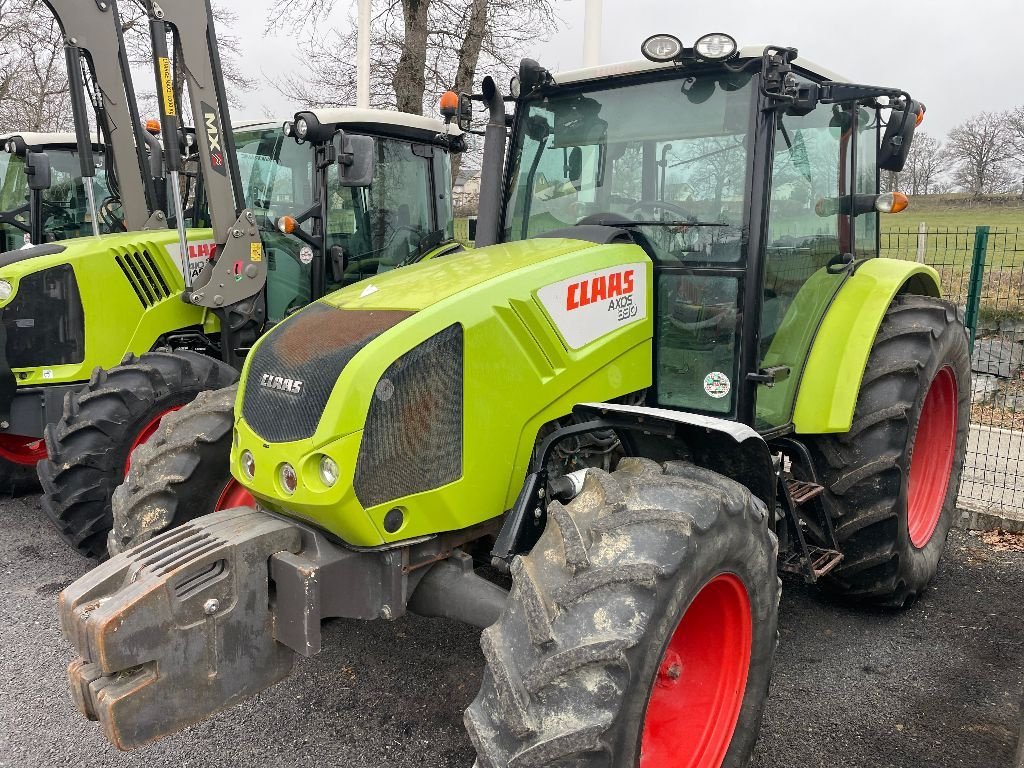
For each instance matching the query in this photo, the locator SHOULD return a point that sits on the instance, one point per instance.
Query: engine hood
(419, 286)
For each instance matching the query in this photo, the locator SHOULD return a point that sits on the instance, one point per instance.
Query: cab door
(811, 243)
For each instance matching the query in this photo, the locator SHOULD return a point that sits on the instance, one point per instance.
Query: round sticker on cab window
(306, 254)
(717, 384)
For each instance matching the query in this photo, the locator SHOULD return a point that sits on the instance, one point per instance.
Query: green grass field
(949, 247)
(957, 212)
(951, 221)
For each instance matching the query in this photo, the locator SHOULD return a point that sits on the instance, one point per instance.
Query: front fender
(831, 379)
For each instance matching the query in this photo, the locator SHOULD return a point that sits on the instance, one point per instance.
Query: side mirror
(337, 263)
(899, 134)
(464, 116)
(37, 168)
(357, 159)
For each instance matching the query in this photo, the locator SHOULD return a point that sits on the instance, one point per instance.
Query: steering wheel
(660, 205)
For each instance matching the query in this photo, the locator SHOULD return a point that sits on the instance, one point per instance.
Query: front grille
(45, 323)
(141, 271)
(412, 440)
(310, 349)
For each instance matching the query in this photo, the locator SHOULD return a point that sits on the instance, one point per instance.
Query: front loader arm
(228, 284)
(92, 30)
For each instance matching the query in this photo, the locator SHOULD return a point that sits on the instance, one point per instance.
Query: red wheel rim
(234, 495)
(147, 432)
(932, 459)
(26, 451)
(696, 697)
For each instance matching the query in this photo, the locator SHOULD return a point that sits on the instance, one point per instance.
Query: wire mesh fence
(982, 270)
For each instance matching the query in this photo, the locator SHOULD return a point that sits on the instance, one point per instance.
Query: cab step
(818, 561)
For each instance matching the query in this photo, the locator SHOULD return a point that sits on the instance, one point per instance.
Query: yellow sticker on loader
(167, 86)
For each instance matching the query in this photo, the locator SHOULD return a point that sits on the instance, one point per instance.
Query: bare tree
(1015, 126)
(925, 162)
(33, 79)
(34, 92)
(981, 149)
(419, 49)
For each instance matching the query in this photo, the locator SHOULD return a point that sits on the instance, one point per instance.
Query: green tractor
(107, 335)
(43, 194)
(674, 366)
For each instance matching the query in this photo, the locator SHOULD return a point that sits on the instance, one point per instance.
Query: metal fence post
(974, 284)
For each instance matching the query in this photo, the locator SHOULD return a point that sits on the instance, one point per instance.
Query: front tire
(641, 628)
(181, 474)
(102, 423)
(892, 480)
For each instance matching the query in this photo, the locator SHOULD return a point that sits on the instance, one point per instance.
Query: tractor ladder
(816, 552)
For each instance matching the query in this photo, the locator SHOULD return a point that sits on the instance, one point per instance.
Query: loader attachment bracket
(178, 627)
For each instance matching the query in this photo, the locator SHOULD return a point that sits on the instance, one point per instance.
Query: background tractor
(43, 199)
(674, 365)
(127, 327)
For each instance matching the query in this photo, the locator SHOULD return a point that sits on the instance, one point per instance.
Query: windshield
(13, 195)
(389, 223)
(669, 153)
(277, 179)
(65, 208)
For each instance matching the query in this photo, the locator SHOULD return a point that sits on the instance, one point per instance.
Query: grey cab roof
(388, 122)
(643, 65)
(36, 140)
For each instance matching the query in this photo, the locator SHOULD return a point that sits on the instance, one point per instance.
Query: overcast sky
(957, 56)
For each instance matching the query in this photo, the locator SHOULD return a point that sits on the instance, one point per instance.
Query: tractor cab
(750, 179)
(321, 232)
(64, 210)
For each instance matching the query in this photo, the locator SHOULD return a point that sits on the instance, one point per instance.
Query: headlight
(301, 128)
(289, 480)
(328, 471)
(6, 289)
(715, 46)
(661, 47)
(248, 464)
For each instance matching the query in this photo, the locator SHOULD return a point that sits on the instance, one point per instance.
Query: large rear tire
(180, 474)
(640, 631)
(892, 480)
(89, 447)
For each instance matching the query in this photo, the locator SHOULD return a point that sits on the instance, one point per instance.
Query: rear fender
(831, 379)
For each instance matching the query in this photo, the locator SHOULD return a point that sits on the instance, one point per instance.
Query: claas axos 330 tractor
(678, 366)
(107, 335)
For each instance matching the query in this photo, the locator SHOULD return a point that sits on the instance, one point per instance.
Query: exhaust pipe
(492, 167)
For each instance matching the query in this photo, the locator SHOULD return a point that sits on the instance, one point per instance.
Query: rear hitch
(179, 627)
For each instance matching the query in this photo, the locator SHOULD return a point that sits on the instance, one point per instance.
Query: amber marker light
(449, 104)
(920, 115)
(286, 225)
(153, 126)
(891, 202)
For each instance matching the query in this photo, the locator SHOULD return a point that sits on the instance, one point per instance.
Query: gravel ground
(936, 685)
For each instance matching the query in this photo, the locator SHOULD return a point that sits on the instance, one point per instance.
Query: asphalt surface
(936, 685)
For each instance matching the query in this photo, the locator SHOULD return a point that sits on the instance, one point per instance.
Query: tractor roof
(36, 141)
(386, 121)
(643, 65)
